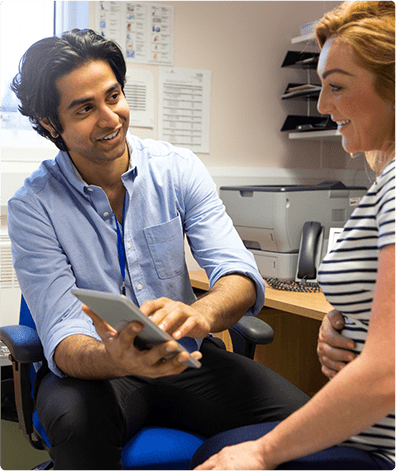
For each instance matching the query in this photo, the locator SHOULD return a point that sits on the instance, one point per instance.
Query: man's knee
(72, 407)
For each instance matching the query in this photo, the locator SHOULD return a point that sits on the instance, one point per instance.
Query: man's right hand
(84, 357)
(333, 348)
(129, 360)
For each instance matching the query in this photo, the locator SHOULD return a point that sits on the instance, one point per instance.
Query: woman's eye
(335, 88)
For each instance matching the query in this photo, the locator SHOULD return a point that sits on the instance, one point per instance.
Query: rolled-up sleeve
(45, 277)
(214, 242)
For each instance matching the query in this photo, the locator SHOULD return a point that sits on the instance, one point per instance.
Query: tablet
(117, 310)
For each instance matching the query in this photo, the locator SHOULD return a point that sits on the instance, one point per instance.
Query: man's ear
(48, 126)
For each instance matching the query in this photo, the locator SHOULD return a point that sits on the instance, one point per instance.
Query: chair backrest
(25, 318)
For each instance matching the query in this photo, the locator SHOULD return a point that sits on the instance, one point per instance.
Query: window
(23, 22)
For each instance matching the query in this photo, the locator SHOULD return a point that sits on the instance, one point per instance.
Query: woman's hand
(246, 455)
(333, 348)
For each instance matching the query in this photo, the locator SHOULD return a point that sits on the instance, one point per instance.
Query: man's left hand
(176, 318)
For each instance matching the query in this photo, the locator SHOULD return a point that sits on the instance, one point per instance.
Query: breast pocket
(166, 245)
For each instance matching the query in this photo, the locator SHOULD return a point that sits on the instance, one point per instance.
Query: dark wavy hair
(49, 59)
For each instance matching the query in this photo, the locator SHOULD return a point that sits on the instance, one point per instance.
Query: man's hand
(333, 348)
(176, 318)
(129, 360)
(217, 310)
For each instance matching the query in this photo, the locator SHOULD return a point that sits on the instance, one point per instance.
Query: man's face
(94, 114)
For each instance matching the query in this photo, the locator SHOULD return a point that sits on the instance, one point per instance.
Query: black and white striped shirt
(348, 276)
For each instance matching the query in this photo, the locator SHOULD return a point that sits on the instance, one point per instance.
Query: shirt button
(139, 287)
(89, 189)
(128, 245)
(105, 214)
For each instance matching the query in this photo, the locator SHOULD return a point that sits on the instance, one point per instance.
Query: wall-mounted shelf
(295, 124)
(332, 134)
(301, 59)
(301, 91)
(303, 39)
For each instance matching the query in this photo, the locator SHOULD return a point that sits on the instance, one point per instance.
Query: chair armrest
(23, 343)
(254, 330)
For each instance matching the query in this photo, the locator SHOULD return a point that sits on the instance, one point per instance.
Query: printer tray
(276, 264)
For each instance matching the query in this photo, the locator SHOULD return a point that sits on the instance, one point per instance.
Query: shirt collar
(80, 178)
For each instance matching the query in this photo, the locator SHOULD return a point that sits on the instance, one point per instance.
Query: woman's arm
(339, 410)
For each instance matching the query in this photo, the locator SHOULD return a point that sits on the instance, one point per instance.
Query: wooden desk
(295, 319)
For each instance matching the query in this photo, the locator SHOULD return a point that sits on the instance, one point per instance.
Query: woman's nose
(324, 105)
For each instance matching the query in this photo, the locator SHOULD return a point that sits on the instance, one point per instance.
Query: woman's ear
(48, 126)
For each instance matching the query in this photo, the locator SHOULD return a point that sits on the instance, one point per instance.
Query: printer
(270, 219)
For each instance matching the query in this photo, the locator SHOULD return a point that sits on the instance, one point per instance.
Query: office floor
(16, 451)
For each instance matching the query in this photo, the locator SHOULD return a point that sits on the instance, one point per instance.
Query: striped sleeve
(386, 209)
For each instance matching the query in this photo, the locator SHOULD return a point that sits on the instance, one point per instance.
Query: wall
(243, 44)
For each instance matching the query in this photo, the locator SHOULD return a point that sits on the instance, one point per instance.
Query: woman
(348, 424)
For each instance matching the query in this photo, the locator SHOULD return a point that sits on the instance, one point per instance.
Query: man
(110, 213)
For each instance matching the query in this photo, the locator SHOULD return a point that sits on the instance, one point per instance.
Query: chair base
(45, 465)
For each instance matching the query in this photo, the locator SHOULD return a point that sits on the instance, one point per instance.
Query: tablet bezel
(117, 310)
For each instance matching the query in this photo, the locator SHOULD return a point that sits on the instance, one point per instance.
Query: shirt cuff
(249, 273)
(60, 332)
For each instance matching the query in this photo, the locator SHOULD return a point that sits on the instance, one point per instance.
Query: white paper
(184, 108)
(139, 92)
(143, 30)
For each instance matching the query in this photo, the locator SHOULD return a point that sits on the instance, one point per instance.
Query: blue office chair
(153, 447)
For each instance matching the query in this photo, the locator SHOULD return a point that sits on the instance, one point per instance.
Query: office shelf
(332, 134)
(301, 60)
(301, 91)
(307, 61)
(303, 39)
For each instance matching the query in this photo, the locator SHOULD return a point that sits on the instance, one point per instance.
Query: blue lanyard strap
(121, 248)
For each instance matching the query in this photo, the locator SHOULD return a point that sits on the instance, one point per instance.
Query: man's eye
(84, 110)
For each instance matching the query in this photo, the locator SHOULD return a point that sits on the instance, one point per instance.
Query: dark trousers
(88, 422)
(336, 457)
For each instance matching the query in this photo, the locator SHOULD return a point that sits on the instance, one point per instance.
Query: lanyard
(121, 248)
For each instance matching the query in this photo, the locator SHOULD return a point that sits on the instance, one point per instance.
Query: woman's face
(364, 119)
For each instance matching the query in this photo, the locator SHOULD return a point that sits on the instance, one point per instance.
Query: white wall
(243, 44)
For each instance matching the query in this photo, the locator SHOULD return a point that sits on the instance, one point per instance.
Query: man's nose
(107, 117)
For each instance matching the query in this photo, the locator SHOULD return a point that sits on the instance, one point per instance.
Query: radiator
(10, 293)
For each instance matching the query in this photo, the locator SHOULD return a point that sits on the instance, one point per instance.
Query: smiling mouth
(343, 123)
(111, 136)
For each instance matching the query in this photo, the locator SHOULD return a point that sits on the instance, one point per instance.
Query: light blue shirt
(63, 235)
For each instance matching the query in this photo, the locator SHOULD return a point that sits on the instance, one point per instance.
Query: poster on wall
(143, 30)
(184, 108)
(139, 93)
